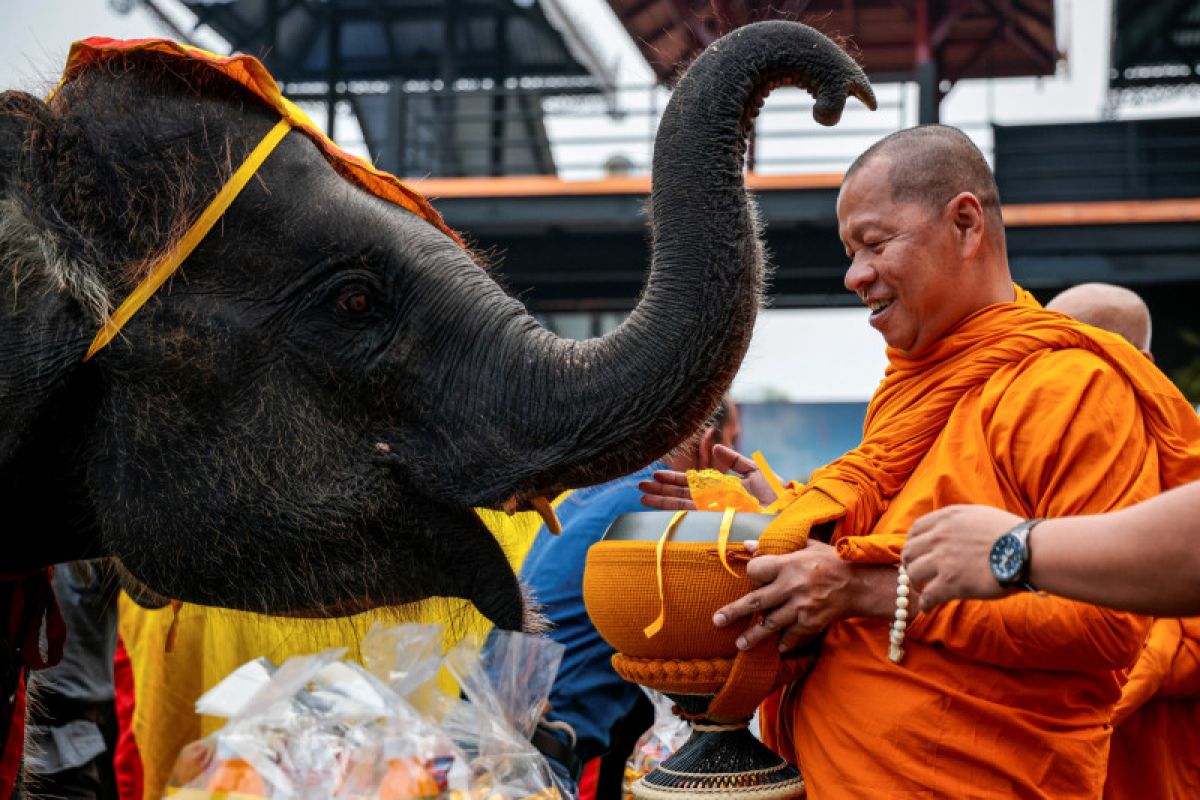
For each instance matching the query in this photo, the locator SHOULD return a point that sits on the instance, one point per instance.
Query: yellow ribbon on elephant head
(178, 253)
(248, 73)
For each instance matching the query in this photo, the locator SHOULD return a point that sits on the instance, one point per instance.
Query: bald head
(932, 164)
(1112, 308)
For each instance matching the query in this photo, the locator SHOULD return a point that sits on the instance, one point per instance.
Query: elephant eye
(355, 300)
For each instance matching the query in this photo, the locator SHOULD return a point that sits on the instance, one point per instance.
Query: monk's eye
(355, 300)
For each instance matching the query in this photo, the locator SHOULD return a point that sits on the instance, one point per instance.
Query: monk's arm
(1068, 434)
(803, 592)
(1153, 667)
(1168, 669)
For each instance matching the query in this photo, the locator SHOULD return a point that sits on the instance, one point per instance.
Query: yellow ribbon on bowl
(653, 628)
(714, 491)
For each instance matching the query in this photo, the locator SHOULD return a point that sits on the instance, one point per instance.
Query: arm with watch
(1067, 439)
(1143, 558)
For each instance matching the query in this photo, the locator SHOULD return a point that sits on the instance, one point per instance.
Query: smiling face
(907, 262)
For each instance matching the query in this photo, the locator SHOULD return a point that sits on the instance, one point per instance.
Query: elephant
(302, 420)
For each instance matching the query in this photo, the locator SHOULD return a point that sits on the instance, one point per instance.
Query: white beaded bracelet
(900, 623)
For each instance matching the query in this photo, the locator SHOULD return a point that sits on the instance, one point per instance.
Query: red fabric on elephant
(31, 605)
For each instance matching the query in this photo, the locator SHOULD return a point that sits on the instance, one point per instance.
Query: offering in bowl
(652, 596)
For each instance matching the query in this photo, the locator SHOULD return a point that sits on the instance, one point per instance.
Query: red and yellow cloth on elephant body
(1023, 409)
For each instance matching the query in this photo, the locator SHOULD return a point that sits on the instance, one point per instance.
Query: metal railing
(513, 130)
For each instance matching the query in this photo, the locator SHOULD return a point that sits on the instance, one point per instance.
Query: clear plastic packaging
(318, 727)
(408, 658)
(507, 683)
(321, 728)
(657, 744)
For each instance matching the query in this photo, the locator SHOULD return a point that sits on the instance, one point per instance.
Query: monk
(1155, 749)
(987, 398)
(1112, 308)
(1156, 725)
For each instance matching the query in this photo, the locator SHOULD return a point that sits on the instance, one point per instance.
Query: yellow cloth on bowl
(715, 491)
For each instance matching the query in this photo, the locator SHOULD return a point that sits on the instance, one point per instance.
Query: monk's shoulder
(1057, 392)
(1066, 429)
(1056, 377)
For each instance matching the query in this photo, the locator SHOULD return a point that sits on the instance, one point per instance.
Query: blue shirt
(587, 694)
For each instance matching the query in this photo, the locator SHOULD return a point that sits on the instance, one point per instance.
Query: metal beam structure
(933, 42)
(360, 53)
(1155, 44)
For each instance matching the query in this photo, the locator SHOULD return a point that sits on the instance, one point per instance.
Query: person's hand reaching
(669, 488)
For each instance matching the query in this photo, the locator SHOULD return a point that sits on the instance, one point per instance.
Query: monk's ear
(704, 449)
(966, 214)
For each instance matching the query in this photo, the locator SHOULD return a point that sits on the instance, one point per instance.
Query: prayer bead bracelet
(896, 634)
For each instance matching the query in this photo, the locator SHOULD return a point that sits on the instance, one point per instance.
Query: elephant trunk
(577, 413)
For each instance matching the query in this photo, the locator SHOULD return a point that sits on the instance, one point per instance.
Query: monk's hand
(800, 594)
(948, 551)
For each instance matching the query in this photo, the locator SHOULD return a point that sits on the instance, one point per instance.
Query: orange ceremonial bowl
(665, 640)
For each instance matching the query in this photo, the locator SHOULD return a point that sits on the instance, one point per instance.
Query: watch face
(1007, 557)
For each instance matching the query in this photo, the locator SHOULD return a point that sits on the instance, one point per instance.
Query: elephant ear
(13, 128)
(45, 407)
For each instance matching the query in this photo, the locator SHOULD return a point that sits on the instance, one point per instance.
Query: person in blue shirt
(588, 696)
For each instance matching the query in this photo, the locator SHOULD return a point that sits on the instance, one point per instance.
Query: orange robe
(1029, 411)
(1156, 725)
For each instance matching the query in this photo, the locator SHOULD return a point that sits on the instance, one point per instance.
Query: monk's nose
(859, 276)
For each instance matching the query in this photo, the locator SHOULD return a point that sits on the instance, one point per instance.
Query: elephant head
(303, 418)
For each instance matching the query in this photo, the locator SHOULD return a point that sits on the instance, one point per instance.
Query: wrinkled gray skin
(302, 419)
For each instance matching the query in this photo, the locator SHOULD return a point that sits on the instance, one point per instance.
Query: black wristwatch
(1009, 558)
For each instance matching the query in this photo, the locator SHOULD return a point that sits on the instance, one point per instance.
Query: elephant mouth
(489, 584)
(137, 589)
(540, 504)
(466, 560)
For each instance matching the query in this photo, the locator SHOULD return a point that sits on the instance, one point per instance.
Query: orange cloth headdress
(248, 72)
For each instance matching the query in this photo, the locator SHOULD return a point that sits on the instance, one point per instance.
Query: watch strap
(1021, 532)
